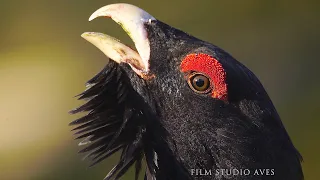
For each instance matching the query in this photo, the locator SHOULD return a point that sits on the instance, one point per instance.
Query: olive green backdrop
(44, 62)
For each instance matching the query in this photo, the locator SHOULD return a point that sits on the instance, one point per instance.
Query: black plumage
(162, 121)
(116, 121)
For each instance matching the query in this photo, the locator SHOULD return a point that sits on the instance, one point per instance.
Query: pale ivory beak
(132, 19)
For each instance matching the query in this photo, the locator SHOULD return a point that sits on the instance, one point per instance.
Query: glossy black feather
(112, 123)
(177, 129)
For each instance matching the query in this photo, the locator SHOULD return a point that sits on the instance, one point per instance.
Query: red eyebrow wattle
(210, 66)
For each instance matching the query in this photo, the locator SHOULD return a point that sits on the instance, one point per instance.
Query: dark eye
(199, 83)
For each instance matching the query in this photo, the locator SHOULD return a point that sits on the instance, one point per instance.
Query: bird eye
(199, 83)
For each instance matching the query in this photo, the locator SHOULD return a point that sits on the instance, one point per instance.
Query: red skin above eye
(211, 67)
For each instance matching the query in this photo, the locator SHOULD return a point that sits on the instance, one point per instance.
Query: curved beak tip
(98, 14)
(91, 18)
(84, 35)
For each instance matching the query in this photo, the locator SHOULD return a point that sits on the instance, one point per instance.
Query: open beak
(132, 19)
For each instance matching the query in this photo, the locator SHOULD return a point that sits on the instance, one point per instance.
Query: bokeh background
(44, 62)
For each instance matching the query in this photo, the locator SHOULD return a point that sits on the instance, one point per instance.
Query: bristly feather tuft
(112, 122)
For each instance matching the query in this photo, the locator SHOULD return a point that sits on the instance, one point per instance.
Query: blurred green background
(44, 62)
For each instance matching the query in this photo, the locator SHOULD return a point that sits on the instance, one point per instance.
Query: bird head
(180, 102)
